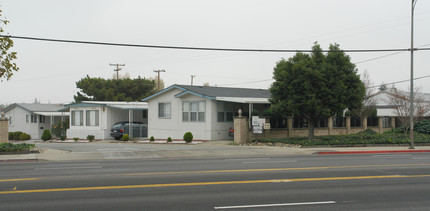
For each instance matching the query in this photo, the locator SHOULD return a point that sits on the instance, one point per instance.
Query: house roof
(112, 104)
(243, 95)
(36, 107)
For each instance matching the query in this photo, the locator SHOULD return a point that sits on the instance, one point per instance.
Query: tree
(316, 85)
(99, 89)
(368, 107)
(7, 66)
(402, 107)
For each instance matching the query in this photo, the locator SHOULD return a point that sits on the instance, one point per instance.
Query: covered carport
(97, 117)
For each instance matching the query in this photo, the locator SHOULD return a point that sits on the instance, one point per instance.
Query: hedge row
(353, 139)
(22, 147)
(18, 135)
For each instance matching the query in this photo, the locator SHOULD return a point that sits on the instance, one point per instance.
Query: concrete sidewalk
(108, 149)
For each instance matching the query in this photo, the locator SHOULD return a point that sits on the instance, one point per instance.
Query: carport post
(130, 127)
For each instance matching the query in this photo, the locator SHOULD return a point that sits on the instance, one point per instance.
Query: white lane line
(71, 167)
(239, 159)
(275, 161)
(276, 205)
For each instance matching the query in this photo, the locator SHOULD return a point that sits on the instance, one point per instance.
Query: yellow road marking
(221, 171)
(274, 169)
(208, 183)
(22, 179)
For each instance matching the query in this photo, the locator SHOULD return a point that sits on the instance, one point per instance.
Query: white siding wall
(100, 132)
(175, 128)
(107, 117)
(219, 129)
(19, 123)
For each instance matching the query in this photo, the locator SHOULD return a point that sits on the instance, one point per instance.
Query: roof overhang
(194, 93)
(52, 113)
(244, 100)
(163, 91)
(111, 104)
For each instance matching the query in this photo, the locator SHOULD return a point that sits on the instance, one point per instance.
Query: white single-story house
(206, 112)
(97, 117)
(33, 118)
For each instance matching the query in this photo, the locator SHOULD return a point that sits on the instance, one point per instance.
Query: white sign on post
(257, 129)
(255, 120)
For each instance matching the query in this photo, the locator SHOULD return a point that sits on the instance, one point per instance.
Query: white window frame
(89, 116)
(199, 110)
(81, 118)
(222, 108)
(27, 118)
(167, 110)
(41, 119)
(33, 118)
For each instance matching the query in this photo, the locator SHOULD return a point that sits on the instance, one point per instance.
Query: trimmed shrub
(422, 127)
(63, 138)
(10, 136)
(16, 135)
(90, 138)
(353, 139)
(9, 147)
(46, 135)
(125, 137)
(169, 139)
(188, 137)
(368, 132)
(24, 136)
(152, 138)
(76, 138)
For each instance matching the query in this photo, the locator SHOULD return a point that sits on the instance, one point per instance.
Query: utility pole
(158, 79)
(411, 115)
(117, 69)
(192, 78)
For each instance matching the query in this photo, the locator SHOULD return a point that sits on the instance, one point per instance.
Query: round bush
(24, 136)
(125, 137)
(46, 135)
(188, 137)
(169, 139)
(90, 137)
(63, 138)
(16, 135)
(152, 138)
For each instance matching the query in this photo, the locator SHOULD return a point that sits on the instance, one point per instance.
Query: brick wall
(4, 130)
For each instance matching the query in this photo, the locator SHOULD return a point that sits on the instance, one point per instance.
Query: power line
(380, 57)
(402, 81)
(208, 49)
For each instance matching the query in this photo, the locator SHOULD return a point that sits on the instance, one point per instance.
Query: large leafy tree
(100, 89)
(7, 66)
(316, 85)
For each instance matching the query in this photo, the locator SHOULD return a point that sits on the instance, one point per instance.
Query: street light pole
(411, 96)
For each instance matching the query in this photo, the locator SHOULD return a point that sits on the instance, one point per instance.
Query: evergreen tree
(316, 85)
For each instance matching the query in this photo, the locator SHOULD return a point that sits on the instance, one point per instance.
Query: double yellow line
(208, 183)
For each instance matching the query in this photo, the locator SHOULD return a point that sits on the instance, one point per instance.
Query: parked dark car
(140, 129)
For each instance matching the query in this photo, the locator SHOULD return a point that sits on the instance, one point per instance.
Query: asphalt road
(308, 182)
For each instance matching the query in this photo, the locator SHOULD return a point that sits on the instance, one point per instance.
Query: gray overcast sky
(48, 71)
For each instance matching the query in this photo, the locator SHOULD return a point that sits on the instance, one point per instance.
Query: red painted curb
(370, 152)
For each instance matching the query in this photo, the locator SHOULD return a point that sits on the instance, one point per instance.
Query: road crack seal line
(209, 183)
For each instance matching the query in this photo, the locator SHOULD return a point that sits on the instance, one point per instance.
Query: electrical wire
(205, 48)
